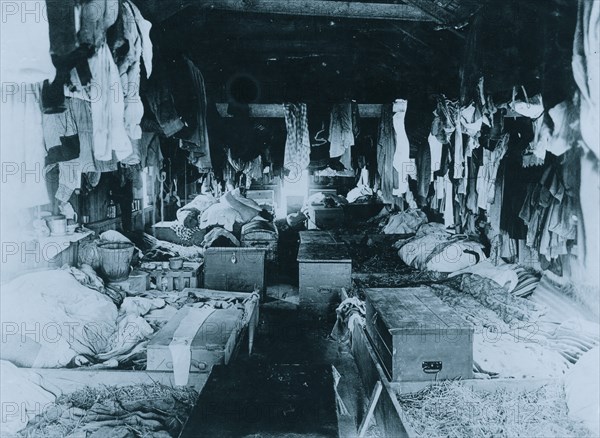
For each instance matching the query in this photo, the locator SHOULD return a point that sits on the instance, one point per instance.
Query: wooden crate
(264, 198)
(324, 218)
(416, 336)
(235, 269)
(175, 280)
(324, 269)
(214, 343)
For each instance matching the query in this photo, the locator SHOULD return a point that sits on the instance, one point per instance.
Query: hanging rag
(341, 134)
(386, 146)
(297, 146)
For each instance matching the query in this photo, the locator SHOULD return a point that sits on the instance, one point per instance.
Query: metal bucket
(115, 258)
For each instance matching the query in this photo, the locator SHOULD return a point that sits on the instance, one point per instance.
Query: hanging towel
(297, 146)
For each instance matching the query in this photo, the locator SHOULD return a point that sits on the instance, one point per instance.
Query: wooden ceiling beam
(322, 8)
(429, 7)
(276, 111)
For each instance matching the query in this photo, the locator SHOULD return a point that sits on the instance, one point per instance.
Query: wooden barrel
(115, 258)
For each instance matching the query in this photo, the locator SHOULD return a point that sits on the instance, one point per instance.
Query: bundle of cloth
(433, 248)
(205, 211)
(406, 222)
(68, 323)
(324, 199)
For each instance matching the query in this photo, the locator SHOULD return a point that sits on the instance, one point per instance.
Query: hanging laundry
(535, 154)
(24, 48)
(459, 155)
(63, 18)
(424, 172)
(23, 149)
(60, 137)
(70, 172)
(130, 67)
(189, 95)
(471, 121)
(586, 71)
(403, 165)
(341, 134)
(97, 16)
(471, 198)
(486, 178)
(564, 116)
(589, 232)
(435, 148)
(445, 120)
(108, 108)
(386, 146)
(448, 203)
(297, 146)
(160, 98)
(551, 208)
(516, 177)
(529, 107)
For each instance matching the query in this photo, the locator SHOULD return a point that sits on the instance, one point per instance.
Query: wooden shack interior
(321, 218)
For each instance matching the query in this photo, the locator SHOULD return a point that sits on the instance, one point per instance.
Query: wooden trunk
(316, 237)
(417, 337)
(235, 269)
(324, 269)
(324, 218)
(215, 341)
(262, 235)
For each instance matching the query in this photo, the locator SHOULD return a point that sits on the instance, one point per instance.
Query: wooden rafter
(162, 9)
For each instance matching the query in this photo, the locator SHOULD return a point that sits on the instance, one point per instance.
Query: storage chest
(261, 234)
(214, 342)
(324, 218)
(324, 269)
(316, 236)
(416, 336)
(235, 269)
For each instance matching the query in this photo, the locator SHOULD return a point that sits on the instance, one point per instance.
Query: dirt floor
(286, 336)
